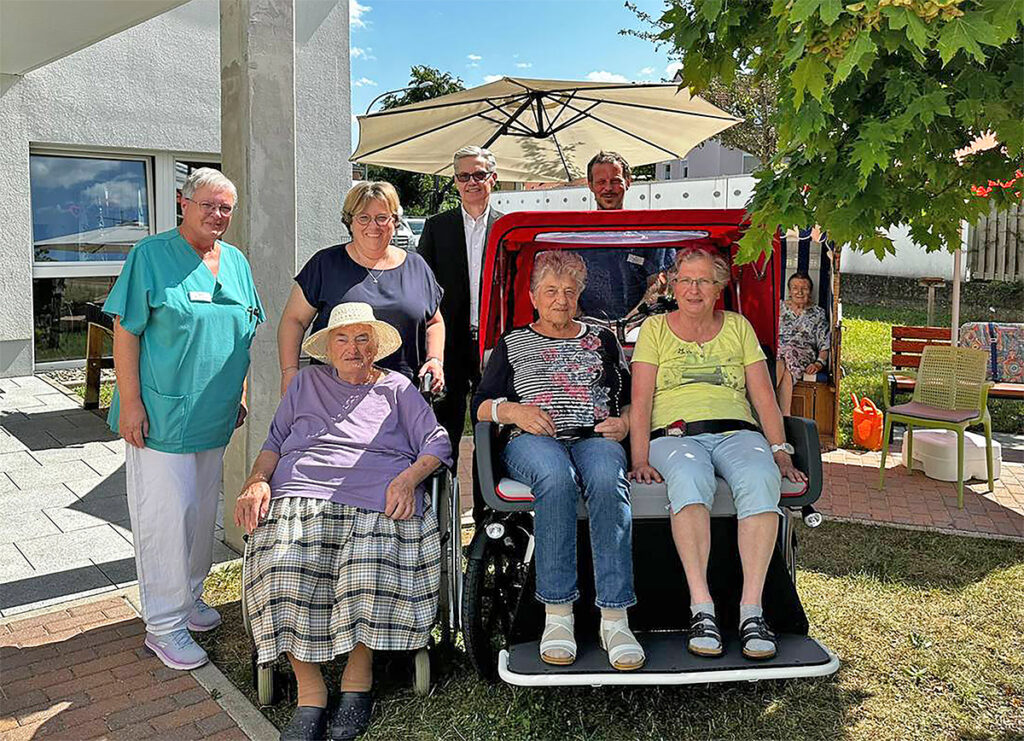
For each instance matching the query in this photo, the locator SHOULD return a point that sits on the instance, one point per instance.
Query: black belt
(682, 428)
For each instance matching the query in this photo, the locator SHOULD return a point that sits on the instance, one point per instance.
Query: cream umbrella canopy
(541, 130)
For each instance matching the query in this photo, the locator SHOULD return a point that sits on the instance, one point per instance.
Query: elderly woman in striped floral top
(561, 388)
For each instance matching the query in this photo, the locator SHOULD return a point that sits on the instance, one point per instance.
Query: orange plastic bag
(867, 423)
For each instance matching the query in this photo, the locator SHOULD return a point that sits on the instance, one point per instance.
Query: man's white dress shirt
(476, 241)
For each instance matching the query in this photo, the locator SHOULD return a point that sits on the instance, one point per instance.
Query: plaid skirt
(322, 577)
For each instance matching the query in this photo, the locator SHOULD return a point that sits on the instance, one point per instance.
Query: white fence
(910, 260)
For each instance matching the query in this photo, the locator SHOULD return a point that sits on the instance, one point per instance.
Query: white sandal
(607, 633)
(553, 624)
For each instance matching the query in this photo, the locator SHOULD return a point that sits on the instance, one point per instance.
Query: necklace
(375, 277)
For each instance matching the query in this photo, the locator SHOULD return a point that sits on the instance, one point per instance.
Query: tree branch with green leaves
(873, 100)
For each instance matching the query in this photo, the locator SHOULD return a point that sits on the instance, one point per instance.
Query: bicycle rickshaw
(501, 620)
(443, 489)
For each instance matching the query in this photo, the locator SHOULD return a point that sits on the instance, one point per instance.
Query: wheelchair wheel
(265, 680)
(495, 577)
(421, 679)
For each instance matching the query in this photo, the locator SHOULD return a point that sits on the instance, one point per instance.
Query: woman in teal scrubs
(185, 311)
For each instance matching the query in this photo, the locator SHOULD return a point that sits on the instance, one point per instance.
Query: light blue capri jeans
(743, 458)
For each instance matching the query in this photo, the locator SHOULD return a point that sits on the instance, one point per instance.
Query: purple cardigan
(346, 443)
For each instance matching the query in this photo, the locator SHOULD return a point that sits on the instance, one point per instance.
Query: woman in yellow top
(693, 370)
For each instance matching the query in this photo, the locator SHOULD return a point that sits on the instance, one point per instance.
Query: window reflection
(62, 309)
(87, 208)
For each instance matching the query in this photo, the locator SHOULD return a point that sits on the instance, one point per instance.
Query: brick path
(82, 673)
(851, 492)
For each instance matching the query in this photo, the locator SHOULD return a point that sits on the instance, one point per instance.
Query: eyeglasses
(208, 208)
(479, 176)
(701, 283)
(379, 219)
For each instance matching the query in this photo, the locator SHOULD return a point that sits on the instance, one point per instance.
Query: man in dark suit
(453, 244)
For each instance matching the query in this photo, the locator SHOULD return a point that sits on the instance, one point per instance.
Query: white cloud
(366, 54)
(605, 76)
(492, 78)
(474, 57)
(524, 65)
(364, 82)
(672, 68)
(646, 72)
(356, 13)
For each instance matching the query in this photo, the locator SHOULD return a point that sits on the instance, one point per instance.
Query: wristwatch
(494, 408)
(785, 447)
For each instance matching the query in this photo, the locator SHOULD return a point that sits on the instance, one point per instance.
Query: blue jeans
(558, 472)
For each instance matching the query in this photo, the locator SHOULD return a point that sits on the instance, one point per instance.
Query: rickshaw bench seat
(651, 500)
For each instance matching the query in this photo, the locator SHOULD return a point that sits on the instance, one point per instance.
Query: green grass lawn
(866, 355)
(928, 629)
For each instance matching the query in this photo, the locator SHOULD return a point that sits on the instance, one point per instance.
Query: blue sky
(475, 39)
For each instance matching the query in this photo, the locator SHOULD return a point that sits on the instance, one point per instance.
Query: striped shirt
(579, 381)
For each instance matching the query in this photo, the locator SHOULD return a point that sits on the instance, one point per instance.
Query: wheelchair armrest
(488, 469)
(802, 434)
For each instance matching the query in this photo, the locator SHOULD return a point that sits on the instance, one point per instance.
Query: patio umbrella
(541, 130)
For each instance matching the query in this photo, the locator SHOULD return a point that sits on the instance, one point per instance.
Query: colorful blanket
(1005, 345)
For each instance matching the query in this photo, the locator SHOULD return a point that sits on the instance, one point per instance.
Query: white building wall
(154, 89)
(910, 260)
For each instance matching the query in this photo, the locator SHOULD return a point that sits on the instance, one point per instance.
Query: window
(750, 163)
(87, 208)
(182, 169)
(61, 307)
(668, 171)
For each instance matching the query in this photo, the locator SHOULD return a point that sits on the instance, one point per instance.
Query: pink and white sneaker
(177, 650)
(203, 617)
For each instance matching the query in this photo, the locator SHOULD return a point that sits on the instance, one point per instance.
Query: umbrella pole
(955, 323)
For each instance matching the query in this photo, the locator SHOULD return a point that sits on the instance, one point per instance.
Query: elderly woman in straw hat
(344, 556)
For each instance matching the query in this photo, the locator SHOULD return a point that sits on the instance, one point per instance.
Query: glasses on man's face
(479, 176)
(208, 208)
(379, 219)
(701, 283)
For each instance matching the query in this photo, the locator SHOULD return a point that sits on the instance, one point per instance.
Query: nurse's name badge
(203, 297)
(635, 259)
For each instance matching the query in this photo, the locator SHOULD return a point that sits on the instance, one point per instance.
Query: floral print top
(579, 381)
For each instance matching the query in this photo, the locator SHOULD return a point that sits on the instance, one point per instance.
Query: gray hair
(558, 263)
(719, 265)
(207, 177)
(472, 151)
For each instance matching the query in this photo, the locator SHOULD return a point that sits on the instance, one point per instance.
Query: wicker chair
(951, 394)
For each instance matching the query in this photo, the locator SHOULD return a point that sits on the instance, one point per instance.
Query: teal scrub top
(194, 334)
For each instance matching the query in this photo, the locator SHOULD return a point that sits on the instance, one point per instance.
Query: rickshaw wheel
(421, 678)
(494, 579)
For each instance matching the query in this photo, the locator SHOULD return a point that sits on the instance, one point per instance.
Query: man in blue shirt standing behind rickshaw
(617, 279)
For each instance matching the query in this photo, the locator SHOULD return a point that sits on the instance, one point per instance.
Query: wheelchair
(501, 620)
(443, 491)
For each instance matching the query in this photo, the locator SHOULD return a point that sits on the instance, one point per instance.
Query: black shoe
(703, 625)
(756, 627)
(352, 716)
(307, 724)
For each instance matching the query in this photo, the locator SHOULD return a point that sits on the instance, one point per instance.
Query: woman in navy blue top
(398, 285)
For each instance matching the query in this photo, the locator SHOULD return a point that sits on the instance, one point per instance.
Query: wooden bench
(100, 326)
(907, 345)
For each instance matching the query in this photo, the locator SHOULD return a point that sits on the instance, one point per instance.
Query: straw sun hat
(344, 315)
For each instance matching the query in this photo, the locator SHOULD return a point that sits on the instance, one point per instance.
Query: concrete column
(280, 58)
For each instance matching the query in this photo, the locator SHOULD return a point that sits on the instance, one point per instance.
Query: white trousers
(172, 501)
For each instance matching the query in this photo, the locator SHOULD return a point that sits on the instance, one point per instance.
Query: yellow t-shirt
(698, 382)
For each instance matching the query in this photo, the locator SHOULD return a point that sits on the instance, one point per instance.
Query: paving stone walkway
(65, 529)
(82, 673)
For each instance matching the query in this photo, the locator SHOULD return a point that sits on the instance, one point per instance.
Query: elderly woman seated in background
(347, 559)
(690, 420)
(803, 338)
(562, 388)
